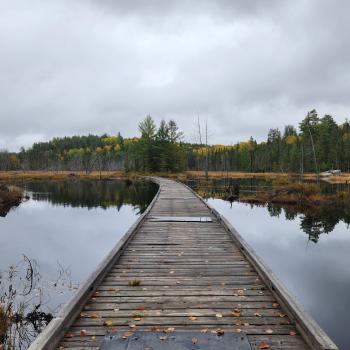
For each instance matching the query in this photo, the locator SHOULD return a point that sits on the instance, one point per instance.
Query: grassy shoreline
(112, 175)
(10, 196)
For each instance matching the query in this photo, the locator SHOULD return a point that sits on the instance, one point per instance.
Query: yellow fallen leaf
(163, 337)
(108, 323)
(218, 315)
(192, 318)
(194, 340)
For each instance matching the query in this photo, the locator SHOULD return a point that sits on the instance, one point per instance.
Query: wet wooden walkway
(187, 275)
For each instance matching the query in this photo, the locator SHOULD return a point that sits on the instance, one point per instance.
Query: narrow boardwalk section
(188, 275)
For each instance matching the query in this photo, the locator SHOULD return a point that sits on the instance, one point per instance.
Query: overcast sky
(94, 66)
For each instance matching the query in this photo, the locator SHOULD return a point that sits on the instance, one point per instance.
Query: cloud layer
(93, 66)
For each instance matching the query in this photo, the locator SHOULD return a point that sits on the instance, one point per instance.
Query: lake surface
(68, 227)
(309, 252)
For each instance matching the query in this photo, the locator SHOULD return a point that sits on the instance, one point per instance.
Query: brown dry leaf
(275, 305)
(192, 318)
(169, 329)
(218, 315)
(155, 329)
(194, 340)
(108, 323)
(137, 318)
(238, 330)
(83, 332)
(236, 312)
(127, 334)
(220, 332)
(269, 331)
(163, 337)
(204, 330)
(257, 314)
(282, 315)
(292, 333)
(95, 315)
(264, 345)
(132, 325)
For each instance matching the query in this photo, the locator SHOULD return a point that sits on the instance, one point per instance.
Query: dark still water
(309, 251)
(67, 228)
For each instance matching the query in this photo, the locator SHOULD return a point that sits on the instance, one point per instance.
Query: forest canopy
(318, 144)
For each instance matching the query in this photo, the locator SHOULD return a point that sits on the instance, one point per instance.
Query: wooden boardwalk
(193, 276)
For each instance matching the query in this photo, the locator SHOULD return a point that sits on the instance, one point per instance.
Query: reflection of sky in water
(78, 238)
(317, 274)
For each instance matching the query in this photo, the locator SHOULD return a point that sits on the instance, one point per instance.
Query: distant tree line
(319, 144)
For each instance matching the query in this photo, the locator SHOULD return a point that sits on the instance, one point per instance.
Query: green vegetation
(134, 283)
(319, 144)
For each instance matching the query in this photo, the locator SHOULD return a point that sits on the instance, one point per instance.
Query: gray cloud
(73, 67)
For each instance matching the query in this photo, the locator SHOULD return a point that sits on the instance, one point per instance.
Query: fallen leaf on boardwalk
(257, 314)
(246, 324)
(93, 337)
(169, 330)
(220, 332)
(108, 323)
(192, 318)
(155, 329)
(236, 312)
(194, 340)
(171, 271)
(127, 334)
(269, 331)
(163, 337)
(83, 332)
(282, 315)
(132, 326)
(238, 330)
(204, 330)
(264, 345)
(292, 333)
(275, 305)
(115, 310)
(218, 315)
(69, 335)
(137, 318)
(95, 315)
(178, 282)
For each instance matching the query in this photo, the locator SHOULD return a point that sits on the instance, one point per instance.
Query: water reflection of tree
(93, 194)
(315, 220)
